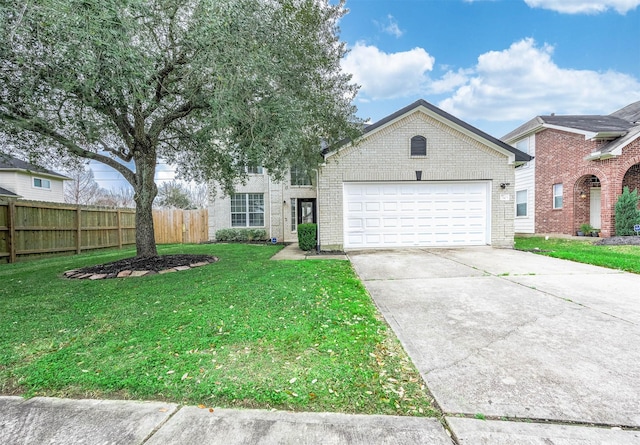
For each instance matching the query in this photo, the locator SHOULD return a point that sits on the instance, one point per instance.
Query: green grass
(615, 257)
(243, 332)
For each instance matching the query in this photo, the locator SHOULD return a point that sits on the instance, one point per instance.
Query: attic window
(418, 146)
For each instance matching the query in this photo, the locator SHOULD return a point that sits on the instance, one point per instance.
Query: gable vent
(418, 146)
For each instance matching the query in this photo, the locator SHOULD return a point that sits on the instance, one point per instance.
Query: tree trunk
(145, 192)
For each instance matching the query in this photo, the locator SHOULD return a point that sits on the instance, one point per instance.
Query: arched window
(418, 146)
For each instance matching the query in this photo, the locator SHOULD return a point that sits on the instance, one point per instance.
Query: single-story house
(419, 177)
(27, 181)
(581, 165)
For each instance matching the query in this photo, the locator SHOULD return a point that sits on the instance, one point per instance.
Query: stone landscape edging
(77, 274)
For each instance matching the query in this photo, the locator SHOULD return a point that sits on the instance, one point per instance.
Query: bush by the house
(627, 214)
(241, 235)
(307, 236)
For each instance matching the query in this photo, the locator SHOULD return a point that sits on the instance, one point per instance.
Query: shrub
(307, 236)
(241, 235)
(627, 214)
(586, 228)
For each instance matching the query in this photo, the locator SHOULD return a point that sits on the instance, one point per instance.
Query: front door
(594, 208)
(306, 210)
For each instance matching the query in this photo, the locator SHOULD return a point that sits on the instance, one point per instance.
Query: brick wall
(560, 159)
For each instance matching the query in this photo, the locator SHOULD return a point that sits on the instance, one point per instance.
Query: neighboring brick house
(580, 166)
(20, 179)
(419, 177)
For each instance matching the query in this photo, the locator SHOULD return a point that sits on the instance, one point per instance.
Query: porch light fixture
(418, 175)
(504, 185)
(583, 195)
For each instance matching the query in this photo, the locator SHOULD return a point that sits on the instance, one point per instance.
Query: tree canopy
(206, 85)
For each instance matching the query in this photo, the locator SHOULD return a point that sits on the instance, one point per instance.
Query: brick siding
(560, 159)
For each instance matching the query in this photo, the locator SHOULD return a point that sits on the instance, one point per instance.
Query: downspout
(318, 207)
(270, 205)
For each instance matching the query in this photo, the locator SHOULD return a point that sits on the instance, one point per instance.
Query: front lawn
(614, 257)
(242, 332)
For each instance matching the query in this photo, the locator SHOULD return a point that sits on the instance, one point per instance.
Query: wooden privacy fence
(33, 228)
(181, 226)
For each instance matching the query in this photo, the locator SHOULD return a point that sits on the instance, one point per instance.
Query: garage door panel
(420, 214)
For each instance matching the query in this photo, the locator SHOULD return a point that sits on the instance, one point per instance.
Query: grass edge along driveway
(625, 258)
(243, 332)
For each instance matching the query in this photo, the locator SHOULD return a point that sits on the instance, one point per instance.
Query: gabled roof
(452, 121)
(10, 163)
(592, 124)
(6, 193)
(630, 113)
(620, 127)
(602, 127)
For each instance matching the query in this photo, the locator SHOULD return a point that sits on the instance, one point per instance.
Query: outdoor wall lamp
(583, 195)
(504, 185)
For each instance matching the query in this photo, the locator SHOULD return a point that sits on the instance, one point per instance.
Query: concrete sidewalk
(293, 252)
(71, 422)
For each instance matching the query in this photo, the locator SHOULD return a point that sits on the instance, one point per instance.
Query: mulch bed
(619, 241)
(141, 266)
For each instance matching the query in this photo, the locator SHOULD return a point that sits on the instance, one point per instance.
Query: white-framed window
(42, 183)
(247, 210)
(521, 203)
(300, 176)
(254, 170)
(418, 146)
(557, 196)
(523, 145)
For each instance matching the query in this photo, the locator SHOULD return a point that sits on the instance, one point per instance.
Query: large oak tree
(207, 85)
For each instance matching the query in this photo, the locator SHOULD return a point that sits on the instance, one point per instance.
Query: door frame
(314, 216)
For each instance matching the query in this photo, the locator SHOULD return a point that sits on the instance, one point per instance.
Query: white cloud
(449, 82)
(523, 81)
(388, 75)
(584, 6)
(391, 27)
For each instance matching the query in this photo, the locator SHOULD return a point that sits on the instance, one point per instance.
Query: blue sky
(494, 63)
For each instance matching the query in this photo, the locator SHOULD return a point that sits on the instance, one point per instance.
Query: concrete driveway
(509, 335)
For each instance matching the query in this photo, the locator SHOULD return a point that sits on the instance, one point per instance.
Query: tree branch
(30, 124)
(163, 122)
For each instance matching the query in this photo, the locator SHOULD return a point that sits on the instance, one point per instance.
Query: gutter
(598, 156)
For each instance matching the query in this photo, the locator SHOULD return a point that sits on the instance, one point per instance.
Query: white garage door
(416, 214)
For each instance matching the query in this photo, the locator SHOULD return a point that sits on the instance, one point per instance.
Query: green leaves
(627, 214)
(203, 84)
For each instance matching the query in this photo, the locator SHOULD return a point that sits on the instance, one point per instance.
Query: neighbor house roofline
(9, 163)
(8, 194)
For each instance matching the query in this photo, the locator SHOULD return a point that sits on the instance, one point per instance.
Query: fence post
(78, 230)
(11, 222)
(119, 217)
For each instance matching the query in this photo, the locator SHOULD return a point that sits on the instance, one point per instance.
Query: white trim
(553, 196)
(526, 203)
(41, 187)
